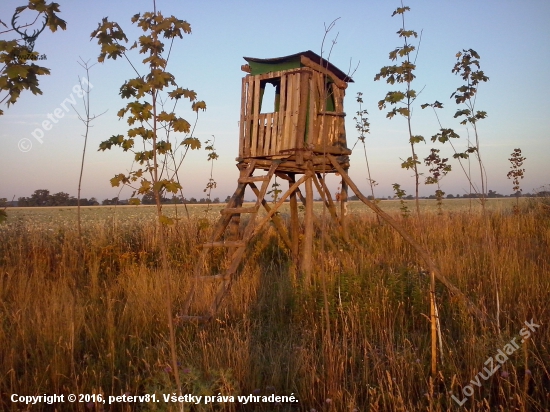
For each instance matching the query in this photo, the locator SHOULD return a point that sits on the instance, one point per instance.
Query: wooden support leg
(294, 222)
(307, 251)
(317, 222)
(275, 218)
(234, 223)
(326, 197)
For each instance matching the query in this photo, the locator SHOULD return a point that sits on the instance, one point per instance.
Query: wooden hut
(306, 114)
(298, 136)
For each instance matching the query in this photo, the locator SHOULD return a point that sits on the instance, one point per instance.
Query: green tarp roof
(261, 66)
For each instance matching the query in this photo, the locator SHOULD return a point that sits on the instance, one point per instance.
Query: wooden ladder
(237, 247)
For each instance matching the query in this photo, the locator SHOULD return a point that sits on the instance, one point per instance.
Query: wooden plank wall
(267, 134)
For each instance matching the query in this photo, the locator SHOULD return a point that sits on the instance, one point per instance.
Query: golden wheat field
(90, 317)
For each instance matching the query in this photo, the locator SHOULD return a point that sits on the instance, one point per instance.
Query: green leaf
(401, 10)
(172, 186)
(201, 105)
(118, 179)
(192, 142)
(416, 139)
(181, 125)
(464, 112)
(145, 187)
(166, 117)
(179, 93)
(15, 71)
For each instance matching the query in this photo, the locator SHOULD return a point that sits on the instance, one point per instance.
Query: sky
(512, 38)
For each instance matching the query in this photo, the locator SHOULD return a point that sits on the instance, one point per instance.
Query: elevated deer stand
(301, 139)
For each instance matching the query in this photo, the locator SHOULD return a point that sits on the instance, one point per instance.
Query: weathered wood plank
(267, 135)
(256, 113)
(238, 210)
(275, 218)
(302, 116)
(326, 196)
(261, 134)
(242, 121)
(312, 111)
(295, 110)
(337, 150)
(285, 144)
(282, 114)
(274, 133)
(310, 63)
(248, 114)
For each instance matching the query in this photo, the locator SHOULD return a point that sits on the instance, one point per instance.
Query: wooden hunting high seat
(300, 138)
(307, 113)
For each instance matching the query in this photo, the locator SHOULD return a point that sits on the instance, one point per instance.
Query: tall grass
(95, 322)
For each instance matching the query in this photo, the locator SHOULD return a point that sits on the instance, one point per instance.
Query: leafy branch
(17, 71)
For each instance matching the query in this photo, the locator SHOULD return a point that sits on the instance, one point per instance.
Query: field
(91, 318)
(93, 214)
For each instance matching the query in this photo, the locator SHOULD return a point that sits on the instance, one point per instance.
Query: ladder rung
(227, 243)
(233, 210)
(252, 179)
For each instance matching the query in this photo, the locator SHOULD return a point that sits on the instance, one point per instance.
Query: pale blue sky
(512, 37)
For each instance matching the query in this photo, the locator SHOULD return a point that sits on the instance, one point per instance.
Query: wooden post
(294, 222)
(307, 249)
(344, 207)
(234, 223)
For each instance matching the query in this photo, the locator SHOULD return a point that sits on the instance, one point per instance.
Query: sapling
(86, 120)
(400, 193)
(145, 113)
(516, 174)
(362, 125)
(447, 135)
(211, 184)
(438, 170)
(403, 100)
(275, 191)
(467, 94)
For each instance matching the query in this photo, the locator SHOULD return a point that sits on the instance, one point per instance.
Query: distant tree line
(43, 197)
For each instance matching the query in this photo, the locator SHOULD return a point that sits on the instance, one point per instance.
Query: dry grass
(93, 321)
